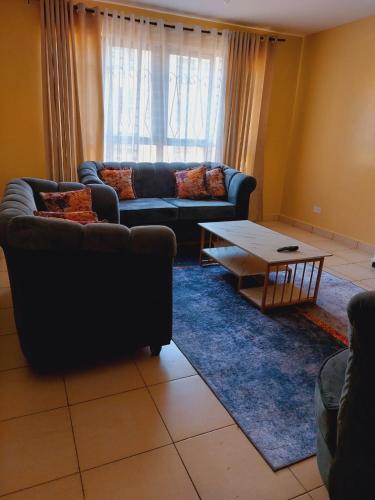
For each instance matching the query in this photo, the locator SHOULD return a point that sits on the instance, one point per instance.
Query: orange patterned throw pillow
(215, 183)
(68, 201)
(84, 217)
(191, 183)
(121, 179)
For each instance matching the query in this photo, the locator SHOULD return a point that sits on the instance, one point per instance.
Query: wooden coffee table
(249, 249)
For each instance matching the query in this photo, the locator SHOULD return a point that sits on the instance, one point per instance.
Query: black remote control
(292, 248)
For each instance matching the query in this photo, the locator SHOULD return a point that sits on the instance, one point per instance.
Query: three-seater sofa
(156, 201)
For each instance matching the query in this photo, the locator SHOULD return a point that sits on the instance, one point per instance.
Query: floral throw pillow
(191, 183)
(84, 217)
(215, 183)
(121, 179)
(68, 201)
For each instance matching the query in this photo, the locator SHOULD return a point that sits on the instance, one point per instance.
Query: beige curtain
(246, 108)
(72, 89)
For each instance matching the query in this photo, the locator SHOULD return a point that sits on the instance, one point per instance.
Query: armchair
(83, 292)
(346, 411)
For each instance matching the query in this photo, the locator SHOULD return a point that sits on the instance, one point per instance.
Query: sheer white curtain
(164, 91)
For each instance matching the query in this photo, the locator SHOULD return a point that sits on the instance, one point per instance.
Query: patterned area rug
(262, 367)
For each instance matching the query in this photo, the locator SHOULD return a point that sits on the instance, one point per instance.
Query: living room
(207, 320)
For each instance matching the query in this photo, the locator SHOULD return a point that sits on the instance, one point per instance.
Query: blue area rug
(262, 367)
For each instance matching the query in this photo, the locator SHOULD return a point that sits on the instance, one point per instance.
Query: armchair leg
(155, 349)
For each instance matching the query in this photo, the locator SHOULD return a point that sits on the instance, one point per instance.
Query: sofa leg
(155, 349)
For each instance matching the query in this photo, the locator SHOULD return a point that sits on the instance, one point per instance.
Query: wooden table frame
(285, 283)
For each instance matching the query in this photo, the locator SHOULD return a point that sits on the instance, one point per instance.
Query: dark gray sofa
(346, 411)
(84, 292)
(156, 202)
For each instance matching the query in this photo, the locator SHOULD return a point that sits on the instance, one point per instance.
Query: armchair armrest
(105, 202)
(351, 474)
(239, 189)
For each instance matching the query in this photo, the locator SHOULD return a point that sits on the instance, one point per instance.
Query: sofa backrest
(151, 180)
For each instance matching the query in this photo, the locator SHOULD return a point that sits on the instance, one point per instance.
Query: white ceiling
(288, 16)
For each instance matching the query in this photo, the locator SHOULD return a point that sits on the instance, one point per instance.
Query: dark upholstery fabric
(146, 211)
(349, 472)
(203, 209)
(157, 181)
(327, 397)
(83, 293)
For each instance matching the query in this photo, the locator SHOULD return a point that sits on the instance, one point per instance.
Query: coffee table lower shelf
(277, 295)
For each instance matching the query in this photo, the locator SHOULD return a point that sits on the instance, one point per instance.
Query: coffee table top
(262, 242)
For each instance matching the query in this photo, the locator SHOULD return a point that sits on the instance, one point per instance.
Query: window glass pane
(188, 91)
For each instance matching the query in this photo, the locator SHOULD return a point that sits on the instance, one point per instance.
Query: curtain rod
(171, 26)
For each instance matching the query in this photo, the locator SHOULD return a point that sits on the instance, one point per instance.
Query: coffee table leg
(265, 290)
(317, 283)
(203, 239)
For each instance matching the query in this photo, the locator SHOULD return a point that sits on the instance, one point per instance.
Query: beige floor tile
(115, 427)
(171, 364)
(354, 256)
(366, 284)
(188, 407)
(334, 261)
(5, 298)
(67, 488)
(3, 265)
(306, 496)
(102, 380)
(22, 392)
(36, 449)
(4, 279)
(224, 465)
(10, 353)
(307, 473)
(155, 475)
(355, 272)
(7, 324)
(320, 494)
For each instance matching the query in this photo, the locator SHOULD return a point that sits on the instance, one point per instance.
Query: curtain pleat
(246, 108)
(71, 87)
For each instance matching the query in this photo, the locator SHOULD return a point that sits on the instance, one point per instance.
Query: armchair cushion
(68, 201)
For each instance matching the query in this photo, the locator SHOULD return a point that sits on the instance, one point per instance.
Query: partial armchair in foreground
(84, 292)
(346, 410)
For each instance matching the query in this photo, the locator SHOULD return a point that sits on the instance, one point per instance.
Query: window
(163, 102)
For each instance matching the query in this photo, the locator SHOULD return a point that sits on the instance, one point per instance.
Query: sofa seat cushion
(143, 211)
(329, 386)
(203, 209)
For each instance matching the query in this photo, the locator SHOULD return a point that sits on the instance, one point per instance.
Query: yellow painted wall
(21, 125)
(332, 164)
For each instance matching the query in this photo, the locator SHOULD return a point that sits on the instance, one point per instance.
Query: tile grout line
(74, 438)
(300, 482)
(169, 434)
(37, 485)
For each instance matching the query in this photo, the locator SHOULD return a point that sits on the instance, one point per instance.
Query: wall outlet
(316, 209)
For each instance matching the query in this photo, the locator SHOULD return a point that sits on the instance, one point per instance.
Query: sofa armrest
(239, 189)
(88, 173)
(105, 202)
(153, 240)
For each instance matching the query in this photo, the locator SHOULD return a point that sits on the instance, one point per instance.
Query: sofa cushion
(143, 211)
(203, 209)
(327, 397)
(121, 180)
(215, 183)
(191, 183)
